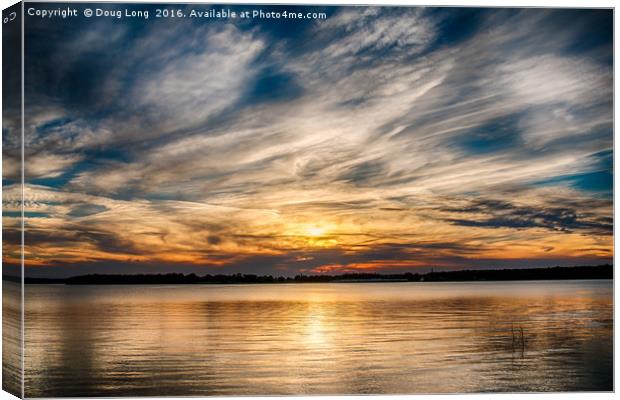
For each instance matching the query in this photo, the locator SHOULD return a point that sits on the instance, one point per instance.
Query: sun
(315, 231)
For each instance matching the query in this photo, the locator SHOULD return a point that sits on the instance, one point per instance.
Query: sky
(375, 140)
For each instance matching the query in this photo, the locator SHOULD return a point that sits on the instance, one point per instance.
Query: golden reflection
(315, 332)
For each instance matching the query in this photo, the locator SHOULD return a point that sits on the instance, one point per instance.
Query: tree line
(551, 273)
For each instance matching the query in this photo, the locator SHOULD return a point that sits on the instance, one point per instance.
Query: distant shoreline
(525, 274)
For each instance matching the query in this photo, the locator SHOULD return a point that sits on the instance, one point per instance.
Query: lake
(327, 338)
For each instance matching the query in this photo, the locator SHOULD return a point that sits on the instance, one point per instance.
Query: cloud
(400, 138)
(190, 88)
(84, 210)
(45, 165)
(555, 218)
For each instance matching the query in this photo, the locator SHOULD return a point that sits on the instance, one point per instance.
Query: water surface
(329, 338)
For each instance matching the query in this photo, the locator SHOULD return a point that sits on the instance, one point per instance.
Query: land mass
(551, 273)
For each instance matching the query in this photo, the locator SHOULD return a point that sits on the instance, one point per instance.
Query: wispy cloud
(380, 138)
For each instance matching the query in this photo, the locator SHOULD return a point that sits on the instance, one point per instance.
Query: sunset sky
(378, 139)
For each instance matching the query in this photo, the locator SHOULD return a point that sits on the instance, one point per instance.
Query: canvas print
(231, 200)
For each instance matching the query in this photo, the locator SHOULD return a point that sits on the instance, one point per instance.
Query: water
(11, 338)
(318, 338)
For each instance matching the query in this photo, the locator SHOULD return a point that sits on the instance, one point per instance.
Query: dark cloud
(365, 173)
(214, 240)
(502, 214)
(84, 210)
